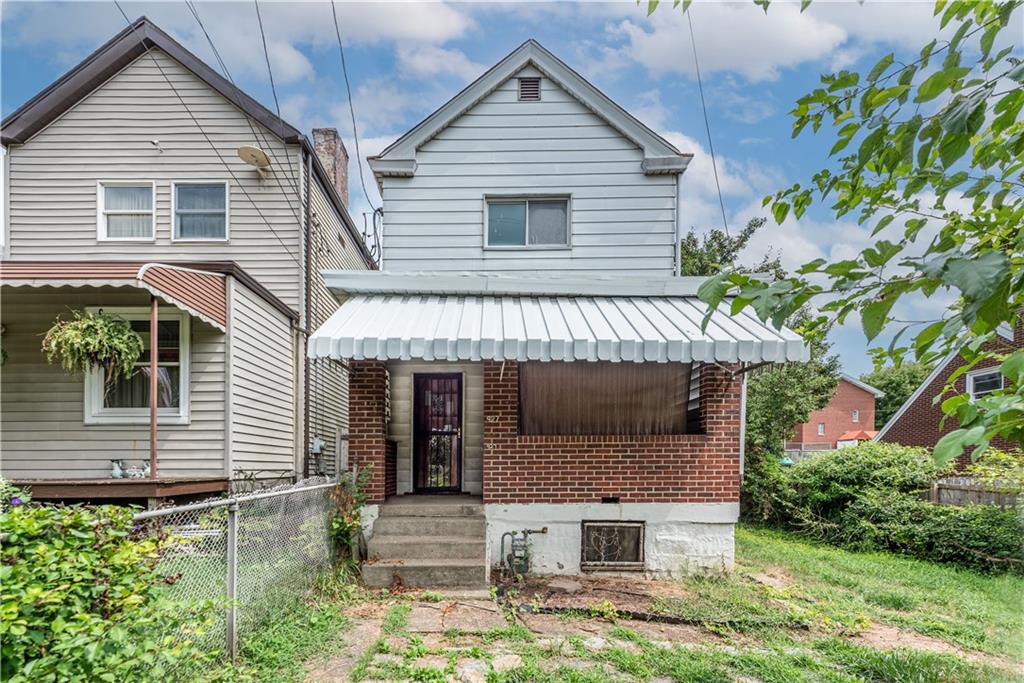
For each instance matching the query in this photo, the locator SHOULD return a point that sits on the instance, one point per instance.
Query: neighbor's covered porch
(62, 431)
(544, 390)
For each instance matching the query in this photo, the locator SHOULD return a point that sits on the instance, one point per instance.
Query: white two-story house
(529, 348)
(144, 184)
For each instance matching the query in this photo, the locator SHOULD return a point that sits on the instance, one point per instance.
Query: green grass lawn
(791, 611)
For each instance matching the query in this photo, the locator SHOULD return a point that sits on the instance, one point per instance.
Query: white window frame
(98, 414)
(102, 212)
(855, 416)
(821, 429)
(974, 374)
(174, 211)
(514, 199)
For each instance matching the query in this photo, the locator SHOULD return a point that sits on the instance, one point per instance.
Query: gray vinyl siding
(42, 429)
(107, 136)
(332, 249)
(622, 220)
(400, 427)
(263, 388)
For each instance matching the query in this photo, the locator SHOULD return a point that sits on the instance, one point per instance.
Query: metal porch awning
(202, 294)
(403, 325)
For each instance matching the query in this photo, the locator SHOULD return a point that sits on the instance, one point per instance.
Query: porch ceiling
(466, 326)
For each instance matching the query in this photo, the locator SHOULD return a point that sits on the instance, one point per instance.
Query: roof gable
(399, 159)
(863, 386)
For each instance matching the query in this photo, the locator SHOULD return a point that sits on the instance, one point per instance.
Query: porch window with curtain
(603, 399)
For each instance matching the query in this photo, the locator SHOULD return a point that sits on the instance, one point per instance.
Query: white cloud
(427, 61)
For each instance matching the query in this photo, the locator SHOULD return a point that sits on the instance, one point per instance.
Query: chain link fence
(243, 559)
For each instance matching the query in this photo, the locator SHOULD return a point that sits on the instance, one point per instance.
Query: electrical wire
(351, 109)
(213, 146)
(259, 137)
(707, 123)
(266, 55)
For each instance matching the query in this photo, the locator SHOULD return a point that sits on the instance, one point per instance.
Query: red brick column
(679, 468)
(367, 440)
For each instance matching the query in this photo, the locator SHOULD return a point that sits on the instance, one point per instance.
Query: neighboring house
(124, 187)
(530, 347)
(919, 421)
(848, 417)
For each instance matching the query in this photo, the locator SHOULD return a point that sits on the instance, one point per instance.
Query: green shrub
(982, 537)
(869, 497)
(1002, 470)
(80, 599)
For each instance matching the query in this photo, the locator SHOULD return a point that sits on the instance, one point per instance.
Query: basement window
(529, 89)
(613, 545)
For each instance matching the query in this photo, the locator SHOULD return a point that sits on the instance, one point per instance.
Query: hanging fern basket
(91, 341)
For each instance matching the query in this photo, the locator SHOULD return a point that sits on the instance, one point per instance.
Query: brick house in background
(529, 346)
(918, 421)
(848, 418)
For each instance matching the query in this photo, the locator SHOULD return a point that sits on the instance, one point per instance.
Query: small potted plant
(91, 341)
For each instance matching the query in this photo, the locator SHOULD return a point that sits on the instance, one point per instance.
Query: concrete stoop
(427, 545)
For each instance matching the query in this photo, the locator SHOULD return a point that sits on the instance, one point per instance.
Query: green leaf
(874, 316)
(880, 67)
(938, 82)
(952, 147)
(1013, 368)
(780, 210)
(976, 277)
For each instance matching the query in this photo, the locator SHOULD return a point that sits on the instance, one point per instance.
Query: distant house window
(200, 211)
(983, 382)
(821, 429)
(856, 415)
(126, 401)
(125, 211)
(612, 545)
(529, 89)
(528, 222)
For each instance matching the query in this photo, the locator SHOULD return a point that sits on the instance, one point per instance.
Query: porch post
(153, 357)
(367, 426)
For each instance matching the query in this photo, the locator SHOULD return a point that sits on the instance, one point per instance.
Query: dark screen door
(437, 432)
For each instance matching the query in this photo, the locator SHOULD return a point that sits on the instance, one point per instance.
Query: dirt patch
(552, 625)
(776, 577)
(358, 640)
(671, 633)
(886, 637)
(587, 593)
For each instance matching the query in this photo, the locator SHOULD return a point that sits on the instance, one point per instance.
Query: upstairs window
(856, 415)
(542, 222)
(125, 211)
(982, 382)
(200, 211)
(821, 429)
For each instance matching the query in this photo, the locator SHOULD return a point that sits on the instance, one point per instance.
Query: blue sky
(405, 59)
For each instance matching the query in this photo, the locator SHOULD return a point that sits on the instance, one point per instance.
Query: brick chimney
(334, 158)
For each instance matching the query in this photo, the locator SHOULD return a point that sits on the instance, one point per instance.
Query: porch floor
(161, 487)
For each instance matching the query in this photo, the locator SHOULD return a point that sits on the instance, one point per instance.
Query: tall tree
(898, 382)
(716, 250)
(936, 172)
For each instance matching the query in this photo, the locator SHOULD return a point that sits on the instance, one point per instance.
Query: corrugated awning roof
(462, 326)
(200, 293)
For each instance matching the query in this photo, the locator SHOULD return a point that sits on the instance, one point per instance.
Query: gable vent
(529, 89)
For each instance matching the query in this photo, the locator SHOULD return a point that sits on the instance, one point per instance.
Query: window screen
(613, 545)
(584, 398)
(200, 211)
(527, 222)
(133, 391)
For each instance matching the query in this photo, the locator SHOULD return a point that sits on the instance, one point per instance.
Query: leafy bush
(80, 599)
(869, 497)
(349, 497)
(1002, 470)
(982, 537)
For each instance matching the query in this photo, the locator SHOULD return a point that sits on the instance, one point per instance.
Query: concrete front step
(425, 547)
(432, 510)
(425, 573)
(387, 525)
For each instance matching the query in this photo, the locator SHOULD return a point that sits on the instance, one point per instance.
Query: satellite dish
(254, 156)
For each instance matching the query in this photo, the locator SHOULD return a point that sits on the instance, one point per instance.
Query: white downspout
(743, 423)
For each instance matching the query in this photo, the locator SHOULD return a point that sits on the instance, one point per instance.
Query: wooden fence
(968, 491)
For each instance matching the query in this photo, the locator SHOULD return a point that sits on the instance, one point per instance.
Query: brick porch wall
(367, 428)
(690, 468)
